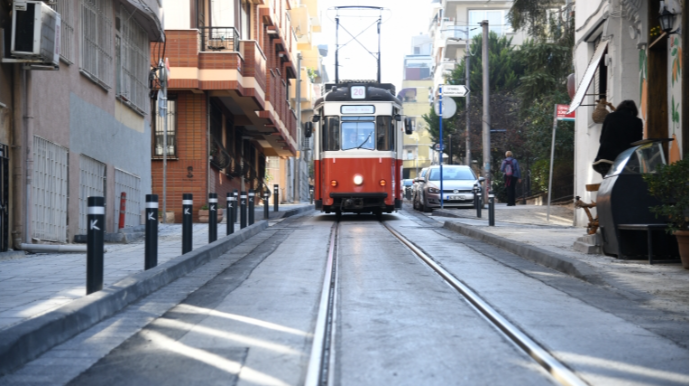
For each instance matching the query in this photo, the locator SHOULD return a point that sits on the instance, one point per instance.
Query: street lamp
(666, 19)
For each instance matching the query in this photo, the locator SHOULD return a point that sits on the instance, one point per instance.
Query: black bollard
(151, 243)
(265, 205)
(492, 221)
(474, 197)
(243, 210)
(479, 204)
(186, 222)
(95, 218)
(311, 196)
(237, 200)
(250, 206)
(212, 217)
(275, 197)
(230, 216)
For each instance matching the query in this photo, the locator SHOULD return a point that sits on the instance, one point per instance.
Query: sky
(402, 20)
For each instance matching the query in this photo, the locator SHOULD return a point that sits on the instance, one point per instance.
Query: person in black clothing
(621, 128)
(511, 175)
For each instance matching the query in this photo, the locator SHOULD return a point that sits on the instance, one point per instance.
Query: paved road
(248, 318)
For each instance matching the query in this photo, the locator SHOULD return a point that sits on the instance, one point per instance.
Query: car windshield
(358, 133)
(450, 173)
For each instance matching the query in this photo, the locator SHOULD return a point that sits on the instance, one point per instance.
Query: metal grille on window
(91, 183)
(66, 9)
(131, 185)
(159, 127)
(49, 191)
(133, 63)
(97, 41)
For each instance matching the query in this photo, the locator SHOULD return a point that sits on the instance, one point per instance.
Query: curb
(560, 263)
(27, 340)
(296, 211)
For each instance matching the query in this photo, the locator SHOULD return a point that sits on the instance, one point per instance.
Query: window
(331, 134)
(96, 41)
(600, 76)
(497, 22)
(132, 63)
(159, 127)
(66, 10)
(358, 133)
(384, 133)
(410, 155)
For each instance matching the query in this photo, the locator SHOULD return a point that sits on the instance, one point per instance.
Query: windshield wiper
(365, 141)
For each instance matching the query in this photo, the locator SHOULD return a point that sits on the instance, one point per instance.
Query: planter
(203, 215)
(682, 238)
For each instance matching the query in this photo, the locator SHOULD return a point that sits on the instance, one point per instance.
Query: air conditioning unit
(35, 33)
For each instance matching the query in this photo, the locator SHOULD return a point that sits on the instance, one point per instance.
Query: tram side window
(384, 133)
(331, 134)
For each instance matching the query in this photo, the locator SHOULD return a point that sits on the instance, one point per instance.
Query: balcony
(219, 39)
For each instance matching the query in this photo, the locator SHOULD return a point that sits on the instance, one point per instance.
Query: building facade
(233, 65)
(81, 129)
(621, 53)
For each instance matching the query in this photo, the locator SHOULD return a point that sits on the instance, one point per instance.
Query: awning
(589, 75)
(147, 19)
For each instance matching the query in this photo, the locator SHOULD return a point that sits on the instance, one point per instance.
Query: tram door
(4, 197)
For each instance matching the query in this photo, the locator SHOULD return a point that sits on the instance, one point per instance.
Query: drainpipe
(29, 162)
(208, 147)
(298, 159)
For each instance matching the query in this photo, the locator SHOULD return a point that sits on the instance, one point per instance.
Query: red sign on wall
(561, 115)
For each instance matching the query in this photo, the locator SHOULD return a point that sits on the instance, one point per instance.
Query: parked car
(458, 188)
(405, 186)
(418, 184)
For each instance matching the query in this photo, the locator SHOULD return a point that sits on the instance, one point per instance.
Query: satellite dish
(449, 107)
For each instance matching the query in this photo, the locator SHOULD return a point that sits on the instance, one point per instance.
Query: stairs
(589, 244)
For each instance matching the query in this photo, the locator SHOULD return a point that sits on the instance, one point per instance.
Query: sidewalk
(34, 284)
(523, 230)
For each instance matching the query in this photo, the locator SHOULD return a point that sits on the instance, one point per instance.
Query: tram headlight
(334, 183)
(382, 182)
(358, 180)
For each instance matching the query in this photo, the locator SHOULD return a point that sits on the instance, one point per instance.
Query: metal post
(95, 218)
(440, 138)
(123, 210)
(468, 154)
(186, 222)
(250, 206)
(553, 144)
(151, 243)
(492, 220)
(337, 47)
(479, 203)
(450, 150)
(236, 195)
(212, 217)
(298, 159)
(232, 204)
(275, 197)
(243, 210)
(311, 195)
(486, 115)
(265, 205)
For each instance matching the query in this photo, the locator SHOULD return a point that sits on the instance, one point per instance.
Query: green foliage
(204, 207)
(670, 185)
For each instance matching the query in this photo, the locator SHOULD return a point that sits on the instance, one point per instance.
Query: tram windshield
(358, 133)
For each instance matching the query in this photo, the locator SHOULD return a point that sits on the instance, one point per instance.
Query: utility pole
(298, 160)
(486, 117)
(163, 112)
(468, 155)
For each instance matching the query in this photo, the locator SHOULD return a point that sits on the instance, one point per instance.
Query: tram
(358, 140)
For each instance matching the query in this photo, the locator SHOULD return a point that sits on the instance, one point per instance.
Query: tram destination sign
(454, 90)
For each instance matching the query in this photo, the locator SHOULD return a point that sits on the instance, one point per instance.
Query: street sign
(562, 113)
(454, 90)
(449, 107)
(437, 147)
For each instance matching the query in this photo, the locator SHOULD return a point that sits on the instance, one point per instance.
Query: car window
(452, 174)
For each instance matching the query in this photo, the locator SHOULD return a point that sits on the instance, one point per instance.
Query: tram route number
(358, 92)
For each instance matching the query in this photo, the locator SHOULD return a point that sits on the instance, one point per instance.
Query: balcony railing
(219, 39)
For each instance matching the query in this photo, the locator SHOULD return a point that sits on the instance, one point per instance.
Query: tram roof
(376, 92)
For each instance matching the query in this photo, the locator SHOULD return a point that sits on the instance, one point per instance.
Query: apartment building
(417, 86)
(233, 67)
(80, 126)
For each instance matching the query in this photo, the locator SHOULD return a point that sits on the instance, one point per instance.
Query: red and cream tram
(358, 139)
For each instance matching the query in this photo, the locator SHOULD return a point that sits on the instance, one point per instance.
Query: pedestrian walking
(511, 175)
(621, 128)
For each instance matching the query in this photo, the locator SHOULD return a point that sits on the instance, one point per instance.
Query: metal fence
(131, 185)
(219, 39)
(49, 191)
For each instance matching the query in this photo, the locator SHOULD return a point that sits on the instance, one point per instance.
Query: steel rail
(317, 371)
(558, 370)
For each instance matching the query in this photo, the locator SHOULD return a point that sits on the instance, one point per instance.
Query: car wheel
(425, 208)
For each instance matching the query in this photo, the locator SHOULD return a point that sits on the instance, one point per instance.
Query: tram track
(322, 358)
